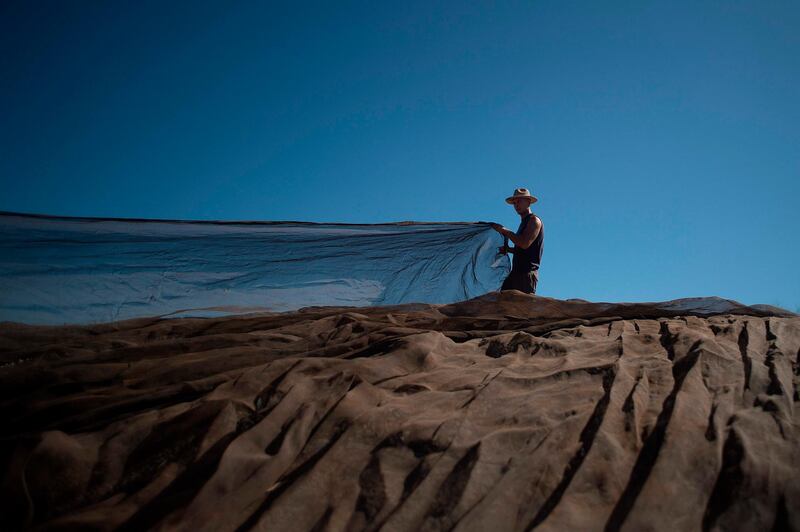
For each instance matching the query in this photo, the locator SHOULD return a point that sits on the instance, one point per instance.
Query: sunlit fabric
(56, 270)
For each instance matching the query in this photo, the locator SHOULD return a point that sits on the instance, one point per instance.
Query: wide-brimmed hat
(522, 193)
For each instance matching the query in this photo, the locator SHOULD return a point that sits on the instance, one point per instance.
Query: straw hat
(522, 193)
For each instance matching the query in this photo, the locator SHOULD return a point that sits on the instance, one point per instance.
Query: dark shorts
(522, 281)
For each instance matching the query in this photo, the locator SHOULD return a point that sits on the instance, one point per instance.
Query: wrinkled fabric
(57, 270)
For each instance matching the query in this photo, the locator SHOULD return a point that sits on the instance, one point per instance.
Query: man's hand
(500, 229)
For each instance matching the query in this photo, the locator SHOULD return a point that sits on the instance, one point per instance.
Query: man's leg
(534, 280)
(526, 282)
(508, 284)
(522, 281)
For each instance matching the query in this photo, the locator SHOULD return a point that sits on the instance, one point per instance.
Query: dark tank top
(528, 259)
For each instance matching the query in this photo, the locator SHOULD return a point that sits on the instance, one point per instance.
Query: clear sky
(662, 138)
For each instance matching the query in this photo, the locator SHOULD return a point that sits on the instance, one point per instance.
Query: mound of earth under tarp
(504, 412)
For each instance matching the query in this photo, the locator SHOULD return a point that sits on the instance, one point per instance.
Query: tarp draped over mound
(56, 270)
(506, 412)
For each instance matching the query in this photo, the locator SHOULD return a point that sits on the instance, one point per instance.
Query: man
(528, 244)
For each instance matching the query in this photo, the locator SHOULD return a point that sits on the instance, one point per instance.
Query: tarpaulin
(57, 270)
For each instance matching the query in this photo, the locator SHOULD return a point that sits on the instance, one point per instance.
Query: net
(57, 270)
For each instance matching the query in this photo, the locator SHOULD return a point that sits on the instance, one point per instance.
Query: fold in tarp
(58, 270)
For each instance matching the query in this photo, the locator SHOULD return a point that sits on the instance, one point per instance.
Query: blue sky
(662, 138)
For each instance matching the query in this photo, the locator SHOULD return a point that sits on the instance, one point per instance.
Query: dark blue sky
(663, 138)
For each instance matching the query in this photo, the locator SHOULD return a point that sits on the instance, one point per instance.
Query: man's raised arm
(527, 237)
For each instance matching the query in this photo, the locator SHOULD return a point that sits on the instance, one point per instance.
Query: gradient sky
(662, 138)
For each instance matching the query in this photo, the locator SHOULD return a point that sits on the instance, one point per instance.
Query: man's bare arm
(528, 235)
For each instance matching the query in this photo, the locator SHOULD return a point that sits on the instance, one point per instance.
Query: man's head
(521, 200)
(522, 205)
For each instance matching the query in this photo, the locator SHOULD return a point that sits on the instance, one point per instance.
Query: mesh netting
(58, 270)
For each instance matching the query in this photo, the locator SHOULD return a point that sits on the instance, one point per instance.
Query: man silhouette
(528, 244)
